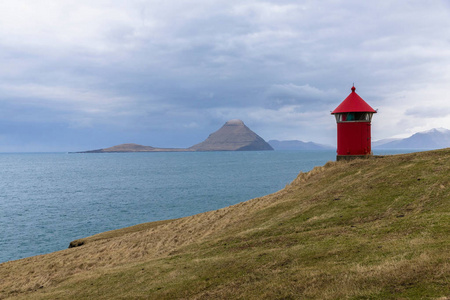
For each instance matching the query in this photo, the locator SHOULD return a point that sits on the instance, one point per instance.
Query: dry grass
(365, 229)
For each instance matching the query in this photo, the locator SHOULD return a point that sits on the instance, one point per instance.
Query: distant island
(234, 135)
(297, 145)
(131, 147)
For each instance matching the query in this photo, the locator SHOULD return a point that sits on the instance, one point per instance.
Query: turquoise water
(50, 199)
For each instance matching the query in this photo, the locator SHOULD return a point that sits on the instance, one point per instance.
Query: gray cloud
(310, 98)
(184, 68)
(428, 112)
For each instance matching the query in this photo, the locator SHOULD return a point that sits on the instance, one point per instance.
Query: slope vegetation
(364, 229)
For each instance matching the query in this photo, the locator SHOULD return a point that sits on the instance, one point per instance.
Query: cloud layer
(168, 73)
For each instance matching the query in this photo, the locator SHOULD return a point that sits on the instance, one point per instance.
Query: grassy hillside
(364, 229)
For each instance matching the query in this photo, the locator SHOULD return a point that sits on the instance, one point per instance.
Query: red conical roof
(353, 103)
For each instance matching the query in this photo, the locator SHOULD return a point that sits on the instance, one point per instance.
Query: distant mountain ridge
(234, 135)
(379, 143)
(435, 138)
(297, 145)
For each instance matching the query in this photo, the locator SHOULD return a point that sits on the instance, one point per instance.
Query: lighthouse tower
(353, 117)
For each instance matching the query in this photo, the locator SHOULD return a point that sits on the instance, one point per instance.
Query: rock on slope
(233, 136)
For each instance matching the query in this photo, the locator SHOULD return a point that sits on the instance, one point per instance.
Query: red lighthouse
(353, 117)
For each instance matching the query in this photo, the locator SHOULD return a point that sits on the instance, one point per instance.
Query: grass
(364, 229)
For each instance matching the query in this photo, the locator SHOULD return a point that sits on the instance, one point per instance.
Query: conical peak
(233, 136)
(235, 122)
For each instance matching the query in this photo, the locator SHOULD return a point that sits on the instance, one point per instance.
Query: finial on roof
(353, 88)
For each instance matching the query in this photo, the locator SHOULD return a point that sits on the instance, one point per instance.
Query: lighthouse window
(354, 116)
(364, 116)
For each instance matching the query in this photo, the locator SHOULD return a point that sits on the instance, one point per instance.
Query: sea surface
(50, 199)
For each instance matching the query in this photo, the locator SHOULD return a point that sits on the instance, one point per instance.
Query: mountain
(377, 144)
(297, 145)
(436, 138)
(370, 229)
(233, 136)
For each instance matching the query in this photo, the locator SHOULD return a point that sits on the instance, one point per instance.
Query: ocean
(49, 199)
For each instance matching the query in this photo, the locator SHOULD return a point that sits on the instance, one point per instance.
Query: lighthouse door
(368, 139)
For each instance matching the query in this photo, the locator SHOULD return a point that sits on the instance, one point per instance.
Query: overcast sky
(79, 75)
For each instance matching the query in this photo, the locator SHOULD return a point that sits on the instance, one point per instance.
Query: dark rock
(76, 243)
